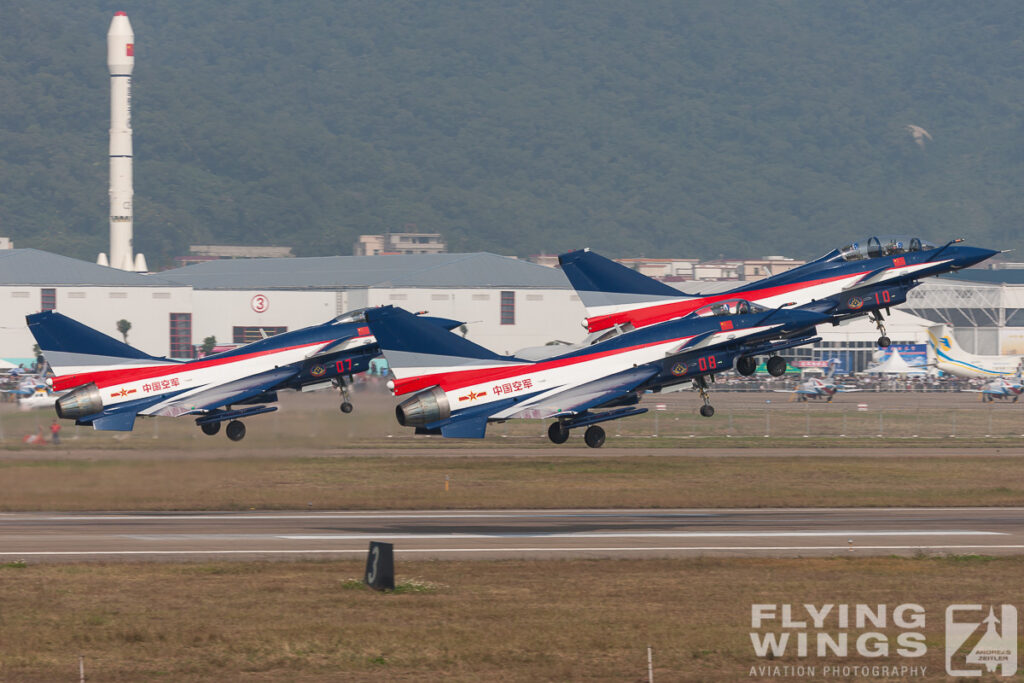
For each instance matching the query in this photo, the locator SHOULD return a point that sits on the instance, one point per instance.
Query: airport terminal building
(507, 304)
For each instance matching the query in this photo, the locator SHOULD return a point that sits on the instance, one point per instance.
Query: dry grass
(473, 621)
(500, 481)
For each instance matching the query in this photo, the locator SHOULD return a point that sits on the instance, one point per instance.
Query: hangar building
(507, 304)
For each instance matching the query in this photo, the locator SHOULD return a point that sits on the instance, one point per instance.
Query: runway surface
(512, 534)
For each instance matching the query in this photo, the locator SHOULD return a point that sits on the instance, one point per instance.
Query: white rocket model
(121, 61)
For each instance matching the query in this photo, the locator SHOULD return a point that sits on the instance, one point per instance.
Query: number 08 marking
(706, 363)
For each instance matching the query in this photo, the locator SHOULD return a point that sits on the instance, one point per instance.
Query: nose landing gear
(878, 319)
(346, 404)
(701, 384)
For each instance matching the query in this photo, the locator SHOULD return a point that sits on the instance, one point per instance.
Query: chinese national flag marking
(129, 50)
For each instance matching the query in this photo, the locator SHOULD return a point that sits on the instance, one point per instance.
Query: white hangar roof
(477, 270)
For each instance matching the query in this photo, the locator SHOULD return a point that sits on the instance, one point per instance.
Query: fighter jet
(1001, 388)
(815, 387)
(461, 386)
(112, 383)
(861, 278)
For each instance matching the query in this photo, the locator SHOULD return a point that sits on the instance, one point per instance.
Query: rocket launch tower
(121, 61)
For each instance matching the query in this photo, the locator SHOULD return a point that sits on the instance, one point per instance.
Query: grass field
(503, 481)
(550, 620)
(455, 621)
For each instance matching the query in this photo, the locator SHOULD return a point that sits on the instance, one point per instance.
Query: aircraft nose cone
(971, 256)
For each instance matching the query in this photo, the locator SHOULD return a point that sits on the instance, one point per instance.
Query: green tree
(123, 326)
(208, 344)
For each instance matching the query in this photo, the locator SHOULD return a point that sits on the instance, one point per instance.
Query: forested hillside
(668, 128)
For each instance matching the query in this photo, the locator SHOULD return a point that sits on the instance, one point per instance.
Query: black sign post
(380, 566)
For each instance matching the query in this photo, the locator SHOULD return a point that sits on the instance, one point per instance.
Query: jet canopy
(729, 307)
(891, 245)
(356, 316)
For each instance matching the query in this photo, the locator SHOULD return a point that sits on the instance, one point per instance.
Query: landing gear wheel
(557, 433)
(879, 320)
(210, 428)
(776, 366)
(707, 410)
(746, 365)
(346, 407)
(235, 430)
(594, 436)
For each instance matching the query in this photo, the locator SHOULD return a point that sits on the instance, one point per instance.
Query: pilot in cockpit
(719, 309)
(742, 308)
(892, 247)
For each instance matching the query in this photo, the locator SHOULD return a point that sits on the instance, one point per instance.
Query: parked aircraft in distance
(861, 278)
(952, 359)
(41, 397)
(1000, 388)
(112, 383)
(815, 387)
(461, 386)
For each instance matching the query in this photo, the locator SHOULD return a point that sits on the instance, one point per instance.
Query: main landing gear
(746, 365)
(593, 437)
(776, 366)
(235, 428)
(346, 403)
(558, 433)
(877, 319)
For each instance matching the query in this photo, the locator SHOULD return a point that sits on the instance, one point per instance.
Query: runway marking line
(87, 553)
(641, 534)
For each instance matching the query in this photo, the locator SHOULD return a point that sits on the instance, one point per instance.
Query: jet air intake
(425, 407)
(85, 400)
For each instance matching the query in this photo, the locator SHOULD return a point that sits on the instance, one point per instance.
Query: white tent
(895, 365)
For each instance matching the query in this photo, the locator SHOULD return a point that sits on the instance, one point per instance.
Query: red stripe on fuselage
(642, 317)
(452, 380)
(106, 378)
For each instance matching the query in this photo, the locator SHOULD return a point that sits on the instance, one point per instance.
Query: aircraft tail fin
(421, 354)
(942, 340)
(72, 348)
(602, 282)
(833, 365)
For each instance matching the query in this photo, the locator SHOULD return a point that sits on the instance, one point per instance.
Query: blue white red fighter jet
(861, 278)
(1001, 388)
(112, 383)
(461, 386)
